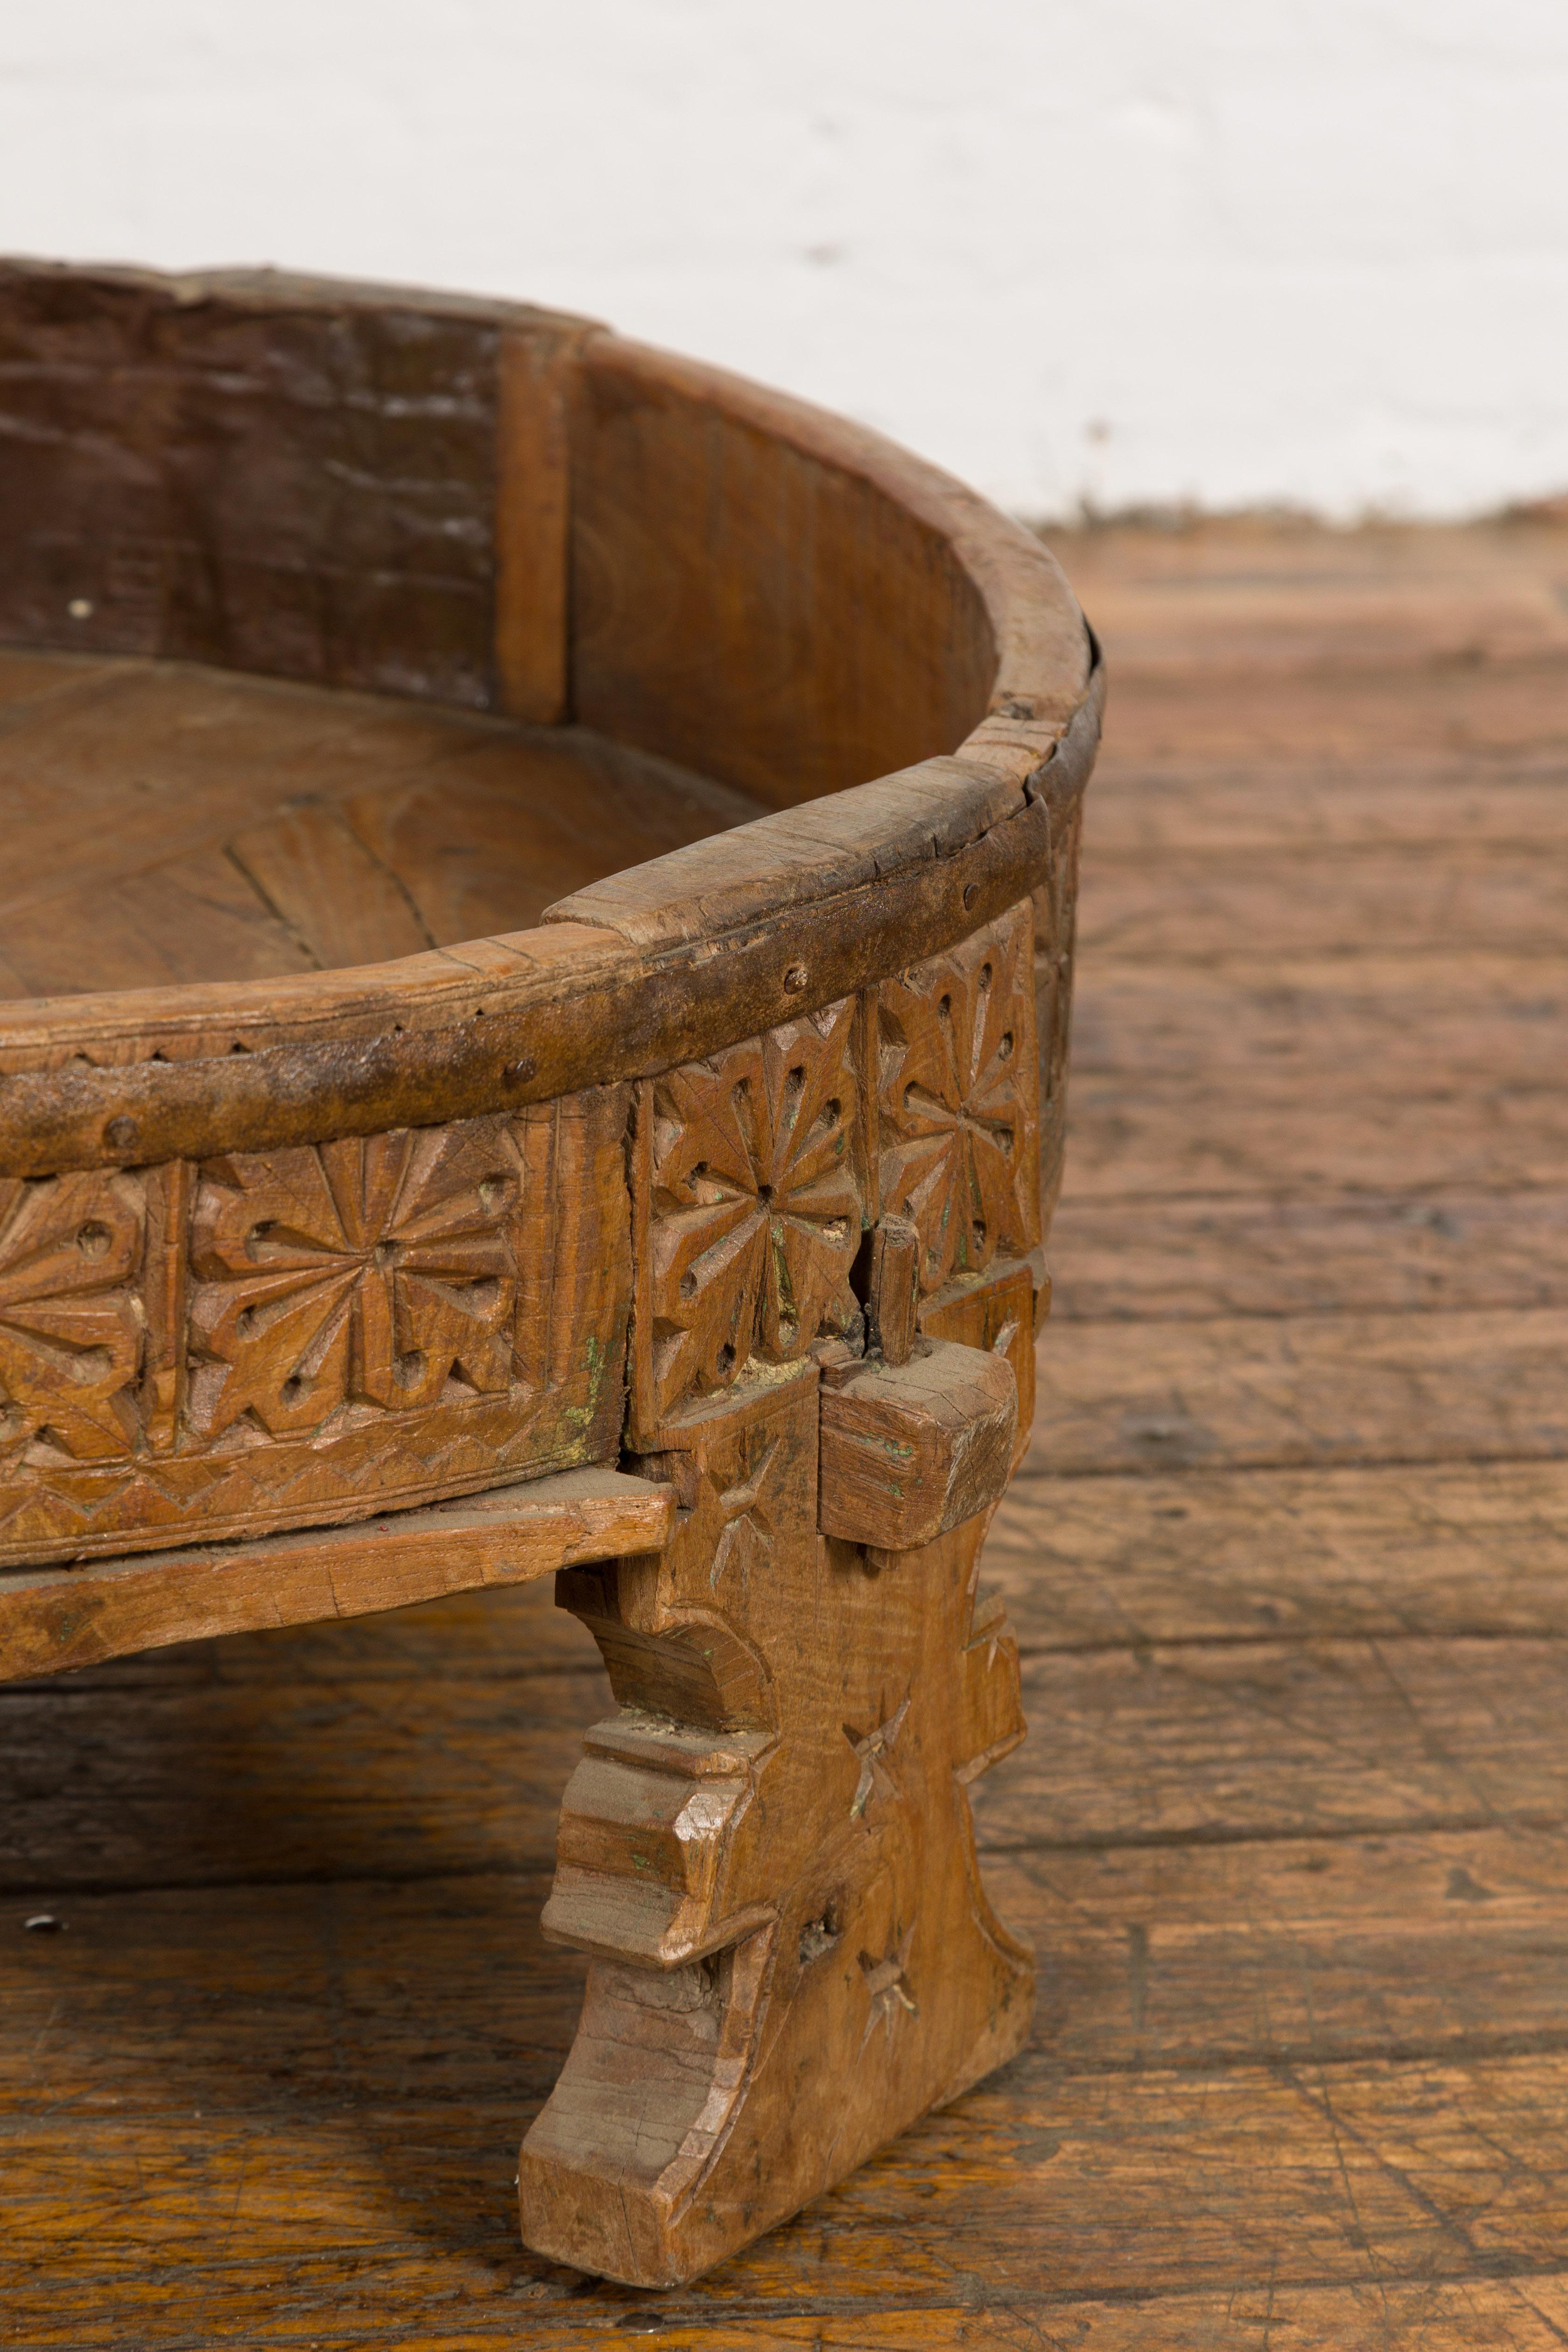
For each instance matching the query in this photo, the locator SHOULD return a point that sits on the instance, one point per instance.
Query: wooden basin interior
(334, 631)
(170, 821)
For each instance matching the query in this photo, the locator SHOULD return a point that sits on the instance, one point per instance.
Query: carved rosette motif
(757, 1171)
(70, 1325)
(278, 1338)
(751, 1207)
(957, 1082)
(379, 1271)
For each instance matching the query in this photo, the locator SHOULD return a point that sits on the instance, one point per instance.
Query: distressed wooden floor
(1289, 1563)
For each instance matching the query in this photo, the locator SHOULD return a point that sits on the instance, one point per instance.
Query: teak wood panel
(269, 1338)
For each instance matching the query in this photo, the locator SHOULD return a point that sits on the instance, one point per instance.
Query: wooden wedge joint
(910, 1451)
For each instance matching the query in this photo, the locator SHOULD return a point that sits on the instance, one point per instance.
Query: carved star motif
(746, 1535)
(755, 1206)
(371, 1270)
(70, 1326)
(872, 1748)
(887, 1984)
(957, 1051)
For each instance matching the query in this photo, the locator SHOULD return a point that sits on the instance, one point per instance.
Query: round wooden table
(539, 886)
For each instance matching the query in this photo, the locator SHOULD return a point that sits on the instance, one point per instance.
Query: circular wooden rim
(654, 966)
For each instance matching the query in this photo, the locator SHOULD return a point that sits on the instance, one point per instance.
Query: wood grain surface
(52, 1618)
(1288, 1570)
(298, 829)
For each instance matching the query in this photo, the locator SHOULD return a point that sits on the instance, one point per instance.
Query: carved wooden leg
(768, 1850)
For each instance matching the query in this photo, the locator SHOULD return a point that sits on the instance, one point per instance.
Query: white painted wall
(1227, 251)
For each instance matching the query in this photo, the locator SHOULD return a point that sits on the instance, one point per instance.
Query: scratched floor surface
(1289, 1562)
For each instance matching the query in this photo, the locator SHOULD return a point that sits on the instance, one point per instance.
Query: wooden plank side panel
(330, 477)
(84, 412)
(312, 479)
(291, 485)
(532, 526)
(747, 607)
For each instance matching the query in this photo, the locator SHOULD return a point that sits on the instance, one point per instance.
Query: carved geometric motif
(377, 1270)
(284, 1338)
(751, 1206)
(69, 1328)
(957, 1087)
(748, 1508)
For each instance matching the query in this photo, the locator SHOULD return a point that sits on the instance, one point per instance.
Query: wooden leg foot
(768, 1853)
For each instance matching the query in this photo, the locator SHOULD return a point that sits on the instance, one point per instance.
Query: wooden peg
(894, 1288)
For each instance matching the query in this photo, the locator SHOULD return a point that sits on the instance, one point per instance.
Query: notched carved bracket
(646, 1837)
(768, 1853)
